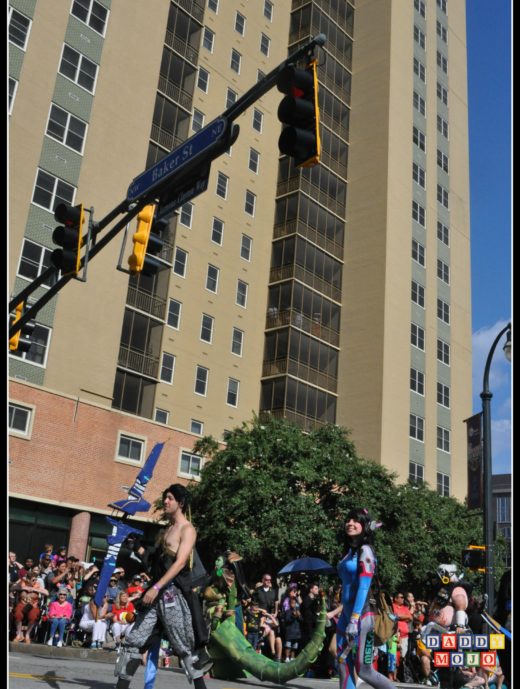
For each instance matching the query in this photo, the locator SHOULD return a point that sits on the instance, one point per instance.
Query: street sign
(201, 142)
(170, 202)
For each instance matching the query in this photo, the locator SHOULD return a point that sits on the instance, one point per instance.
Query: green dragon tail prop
(232, 654)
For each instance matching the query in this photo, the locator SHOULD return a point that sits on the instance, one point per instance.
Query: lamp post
(486, 396)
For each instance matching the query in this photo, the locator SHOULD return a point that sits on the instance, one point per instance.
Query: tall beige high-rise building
(338, 293)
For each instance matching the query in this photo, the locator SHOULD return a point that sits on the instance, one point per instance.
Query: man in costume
(169, 602)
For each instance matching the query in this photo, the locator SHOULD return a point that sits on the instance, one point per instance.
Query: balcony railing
(298, 226)
(306, 424)
(299, 370)
(137, 360)
(173, 91)
(182, 48)
(196, 9)
(277, 319)
(315, 192)
(307, 277)
(146, 302)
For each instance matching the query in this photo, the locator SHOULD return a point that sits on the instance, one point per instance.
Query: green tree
(275, 493)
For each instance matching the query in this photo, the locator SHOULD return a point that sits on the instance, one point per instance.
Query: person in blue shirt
(356, 623)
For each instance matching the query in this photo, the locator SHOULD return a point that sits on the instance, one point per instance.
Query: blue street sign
(199, 143)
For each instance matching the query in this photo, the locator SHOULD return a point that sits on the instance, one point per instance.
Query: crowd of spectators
(51, 601)
(53, 596)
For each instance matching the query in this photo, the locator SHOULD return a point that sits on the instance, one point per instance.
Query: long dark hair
(362, 516)
(181, 495)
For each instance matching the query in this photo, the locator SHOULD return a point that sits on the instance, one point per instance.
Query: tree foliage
(275, 493)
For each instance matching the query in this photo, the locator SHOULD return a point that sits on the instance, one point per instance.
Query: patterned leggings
(363, 660)
(172, 610)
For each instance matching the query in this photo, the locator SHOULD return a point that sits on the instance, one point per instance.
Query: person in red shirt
(136, 588)
(123, 612)
(404, 617)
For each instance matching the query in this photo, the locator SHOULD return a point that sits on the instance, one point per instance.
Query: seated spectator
(14, 567)
(119, 574)
(60, 613)
(46, 566)
(28, 564)
(48, 551)
(98, 627)
(28, 610)
(293, 629)
(61, 554)
(123, 612)
(113, 590)
(270, 631)
(137, 587)
(60, 577)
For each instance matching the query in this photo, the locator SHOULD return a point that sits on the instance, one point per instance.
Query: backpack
(385, 624)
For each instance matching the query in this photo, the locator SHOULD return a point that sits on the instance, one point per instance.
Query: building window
(130, 448)
(443, 311)
(217, 231)
(206, 328)
(417, 381)
(417, 293)
(415, 472)
(265, 43)
(443, 271)
(37, 354)
(417, 336)
(180, 262)
(419, 69)
(13, 85)
(442, 32)
(443, 439)
(418, 252)
(419, 103)
(258, 117)
(443, 352)
(203, 79)
(240, 23)
(254, 160)
(167, 367)
(237, 342)
(442, 160)
(49, 191)
(197, 121)
(420, 7)
(196, 427)
(212, 278)
(241, 298)
(443, 233)
(268, 10)
(236, 58)
(441, 4)
(186, 214)
(443, 196)
(419, 175)
(213, 5)
(78, 68)
(245, 247)
(201, 380)
(190, 465)
(92, 13)
(443, 395)
(442, 93)
(443, 484)
(442, 126)
(260, 75)
(419, 139)
(418, 213)
(20, 420)
(416, 427)
(208, 39)
(503, 509)
(161, 415)
(232, 392)
(249, 206)
(66, 128)
(222, 185)
(442, 62)
(35, 259)
(174, 313)
(419, 37)
(231, 97)
(19, 26)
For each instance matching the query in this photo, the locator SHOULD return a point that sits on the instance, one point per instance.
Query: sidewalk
(105, 656)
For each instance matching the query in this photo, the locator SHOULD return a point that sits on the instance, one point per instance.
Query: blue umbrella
(308, 564)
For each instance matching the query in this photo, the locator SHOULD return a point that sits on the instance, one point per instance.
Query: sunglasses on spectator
(61, 594)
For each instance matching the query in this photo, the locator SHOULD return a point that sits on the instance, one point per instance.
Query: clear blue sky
(489, 104)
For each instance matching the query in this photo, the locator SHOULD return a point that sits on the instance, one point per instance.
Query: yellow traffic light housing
(15, 339)
(141, 238)
(21, 341)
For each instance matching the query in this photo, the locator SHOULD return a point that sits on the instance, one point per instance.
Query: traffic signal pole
(132, 206)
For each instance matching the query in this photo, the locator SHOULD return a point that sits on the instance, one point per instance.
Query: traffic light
(299, 110)
(474, 558)
(21, 342)
(141, 238)
(68, 236)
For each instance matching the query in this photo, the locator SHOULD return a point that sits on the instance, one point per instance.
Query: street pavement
(37, 665)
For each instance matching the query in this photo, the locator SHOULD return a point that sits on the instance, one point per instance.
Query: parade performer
(164, 603)
(356, 622)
